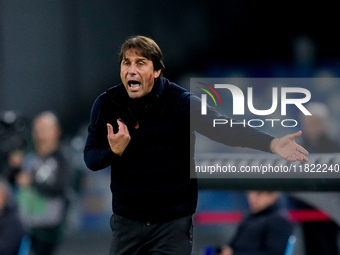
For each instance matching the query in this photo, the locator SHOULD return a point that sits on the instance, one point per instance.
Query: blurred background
(60, 55)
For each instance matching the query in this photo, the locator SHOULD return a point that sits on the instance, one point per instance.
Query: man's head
(260, 200)
(46, 132)
(141, 64)
(316, 124)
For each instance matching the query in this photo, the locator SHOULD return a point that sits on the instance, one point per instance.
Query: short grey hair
(49, 115)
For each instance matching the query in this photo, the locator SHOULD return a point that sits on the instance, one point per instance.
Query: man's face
(259, 201)
(137, 74)
(45, 131)
(313, 127)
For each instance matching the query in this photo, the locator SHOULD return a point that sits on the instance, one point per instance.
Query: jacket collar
(275, 207)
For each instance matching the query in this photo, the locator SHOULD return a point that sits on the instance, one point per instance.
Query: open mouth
(134, 84)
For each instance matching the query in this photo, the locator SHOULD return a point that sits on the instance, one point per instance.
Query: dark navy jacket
(151, 180)
(263, 233)
(11, 230)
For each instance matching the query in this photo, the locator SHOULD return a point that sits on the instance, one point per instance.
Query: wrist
(272, 145)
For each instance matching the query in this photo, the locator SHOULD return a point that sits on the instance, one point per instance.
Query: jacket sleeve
(97, 152)
(238, 135)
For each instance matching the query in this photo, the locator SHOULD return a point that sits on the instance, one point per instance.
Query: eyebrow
(137, 59)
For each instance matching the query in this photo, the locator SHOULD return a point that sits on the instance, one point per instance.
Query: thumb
(295, 135)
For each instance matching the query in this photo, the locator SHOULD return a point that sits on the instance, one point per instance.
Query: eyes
(138, 63)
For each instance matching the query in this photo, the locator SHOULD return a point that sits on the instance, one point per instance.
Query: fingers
(288, 149)
(297, 157)
(121, 126)
(302, 150)
(304, 158)
(120, 140)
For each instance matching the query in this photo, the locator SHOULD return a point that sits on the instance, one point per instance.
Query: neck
(44, 149)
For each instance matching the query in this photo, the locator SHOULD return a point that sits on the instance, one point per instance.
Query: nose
(132, 69)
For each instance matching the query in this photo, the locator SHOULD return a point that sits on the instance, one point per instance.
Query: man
(265, 230)
(320, 237)
(45, 184)
(141, 128)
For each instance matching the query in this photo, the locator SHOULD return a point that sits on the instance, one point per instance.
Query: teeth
(134, 84)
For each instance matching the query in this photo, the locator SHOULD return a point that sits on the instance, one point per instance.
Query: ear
(157, 73)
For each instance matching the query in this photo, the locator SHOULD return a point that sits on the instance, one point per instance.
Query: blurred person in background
(14, 141)
(264, 231)
(317, 137)
(141, 128)
(45, 185)
(320, 237)
(11, 228)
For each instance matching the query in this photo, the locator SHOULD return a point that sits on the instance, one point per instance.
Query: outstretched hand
(119, 141)
(286, 148)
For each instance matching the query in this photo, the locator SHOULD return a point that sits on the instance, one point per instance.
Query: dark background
(59, 55)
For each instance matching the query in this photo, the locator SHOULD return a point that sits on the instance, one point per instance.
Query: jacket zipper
(134, 118)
